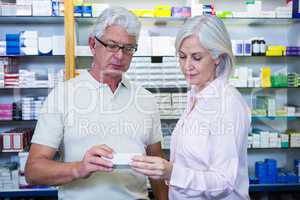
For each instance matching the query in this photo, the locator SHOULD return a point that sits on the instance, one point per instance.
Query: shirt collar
(124, 81)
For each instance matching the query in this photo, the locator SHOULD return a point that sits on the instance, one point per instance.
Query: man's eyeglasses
(112, 47)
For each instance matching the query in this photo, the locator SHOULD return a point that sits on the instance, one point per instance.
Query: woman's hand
(154, 167)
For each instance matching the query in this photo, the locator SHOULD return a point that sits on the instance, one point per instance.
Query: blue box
(12, 37)
(292, 177)
(282, 178)
(87, 11)
(12, 50)
(12, 43)
(78, 10)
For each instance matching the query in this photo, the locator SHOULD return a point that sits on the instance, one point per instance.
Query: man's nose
(119, 54)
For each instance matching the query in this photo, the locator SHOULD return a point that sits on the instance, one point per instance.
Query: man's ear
(92, 44)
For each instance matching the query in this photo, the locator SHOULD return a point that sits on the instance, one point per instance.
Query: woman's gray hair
(213, 35)
(116, 15)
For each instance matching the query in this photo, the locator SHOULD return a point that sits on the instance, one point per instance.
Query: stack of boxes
(266, 139)
(254, 10)
(27, 108)
(37, 105)
(45, 46)
(164, 104)
(292, 51)
(181, 12)
(26, 78)
(41, 8)
(293, 80)
(156, 73)
(23, 7)
(16, 139)
(12, 44)
(171, 105)
(85, 9)
(3, 63)
(266, 106)
(265, 77)
(23, 157)
(242, 47)
(243, 77)
(179, 102)
(276, 50)
(266, 172)
(31, 107)
(6, 111)
(295, 139)
(9, 178)
(33, 8)
(29, 42)
(55, 78)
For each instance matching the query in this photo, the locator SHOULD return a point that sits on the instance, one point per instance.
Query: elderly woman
(209, 144)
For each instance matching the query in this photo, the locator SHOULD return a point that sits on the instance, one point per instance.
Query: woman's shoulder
(233, 97)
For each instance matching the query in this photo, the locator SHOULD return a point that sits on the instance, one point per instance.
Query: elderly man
(95, 115)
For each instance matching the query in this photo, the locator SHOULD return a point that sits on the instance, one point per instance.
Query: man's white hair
(116, 15)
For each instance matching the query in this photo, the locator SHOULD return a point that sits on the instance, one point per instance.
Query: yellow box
(143, 12)
(276, 48)
(162, 11)
(275, 53)
(266, 77)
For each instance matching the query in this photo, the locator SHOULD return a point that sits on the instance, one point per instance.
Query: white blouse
(209, 146)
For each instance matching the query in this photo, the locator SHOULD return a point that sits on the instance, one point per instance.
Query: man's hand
(94, 161)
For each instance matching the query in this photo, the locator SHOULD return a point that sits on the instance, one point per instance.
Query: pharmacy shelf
(18, 122)
(257, 149)
(247, 21)
(275, 148)
(31, 19)
(88, 54)
(288, 56)
(253, 118)
(52, 192)
(39, 192)
(260, 21)
(17, 56)
(275, 118)
(11, 151)
(167, 89)
(10, 88)
(274, 187)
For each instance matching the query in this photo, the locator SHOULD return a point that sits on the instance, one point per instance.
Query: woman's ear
(218, 59)
(92, 44)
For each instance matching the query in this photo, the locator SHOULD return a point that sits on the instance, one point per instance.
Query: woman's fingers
(147, 172)
(143, 165)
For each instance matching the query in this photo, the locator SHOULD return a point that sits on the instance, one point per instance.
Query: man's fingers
(100, 152)
(107, 148)
(99, 161)
(96, 168)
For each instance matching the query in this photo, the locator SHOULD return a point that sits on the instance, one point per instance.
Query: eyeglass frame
(134, 47)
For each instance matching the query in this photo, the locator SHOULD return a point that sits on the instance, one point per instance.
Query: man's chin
(113, 73)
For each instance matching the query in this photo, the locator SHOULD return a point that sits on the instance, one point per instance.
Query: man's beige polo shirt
(81, 113)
